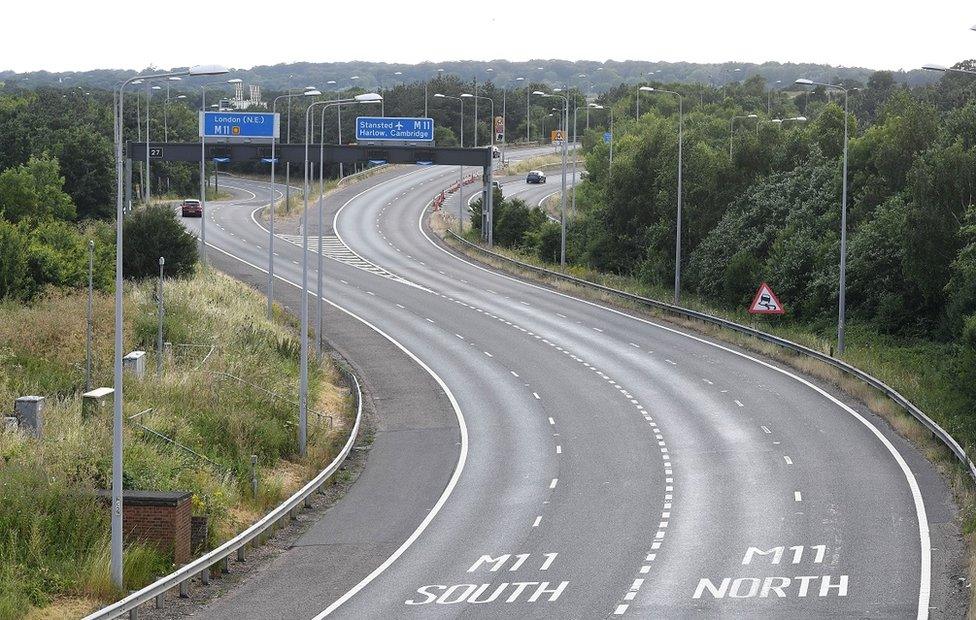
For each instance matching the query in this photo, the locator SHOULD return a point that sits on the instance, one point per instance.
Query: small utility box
(135, 363)
(30, 414)
(96, 402)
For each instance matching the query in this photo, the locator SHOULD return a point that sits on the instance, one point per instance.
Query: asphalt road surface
(541, 456)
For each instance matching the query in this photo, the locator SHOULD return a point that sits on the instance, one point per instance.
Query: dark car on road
(535, 176)
(191, 208)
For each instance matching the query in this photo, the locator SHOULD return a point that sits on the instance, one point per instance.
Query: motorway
(537, 455)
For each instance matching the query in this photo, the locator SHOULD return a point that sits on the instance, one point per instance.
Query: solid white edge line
(462, 457)
(925, 551)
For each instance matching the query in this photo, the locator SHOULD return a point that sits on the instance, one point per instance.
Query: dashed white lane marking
(765, 429)
(788, 460)
(536, 395)
(371, 293)
(525, 303)
(620, 610)
(538, 520)
(488, 354)
(428, 320)
(514, 374)
(561, 315)
(597, 329)
(797, 497)
(636, 346)
(459, 336)
(559, 449)
(401, 306)
(552, 422)
(671, 362)
(707, 381)
(552, 485)
(295, 261)
(739, 403)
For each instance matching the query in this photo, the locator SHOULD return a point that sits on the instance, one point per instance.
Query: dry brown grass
(61, 608)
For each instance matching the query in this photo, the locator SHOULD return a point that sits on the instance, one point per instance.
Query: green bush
(153, 232)
(14, 279)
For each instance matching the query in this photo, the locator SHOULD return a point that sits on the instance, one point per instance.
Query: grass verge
(54, 542)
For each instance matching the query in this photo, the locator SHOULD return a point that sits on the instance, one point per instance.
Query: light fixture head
(157, 88)
(799, 119)
(466, 95)
(752, 116)
(595, 106)
(311, 93)
(330, 82)
(369, 97)
(235, 81)
(540, 93)
(355, 77)
(207, 70)
(439, 96)
(647, 89)
(931, 67)
(174, 78)
(803, 82)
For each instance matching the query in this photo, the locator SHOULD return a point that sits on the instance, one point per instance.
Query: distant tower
(255, 94)
(239, 92)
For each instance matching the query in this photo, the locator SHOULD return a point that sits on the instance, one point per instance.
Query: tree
(33, 190)
(88, 165)
(14, 279)
(153, 232)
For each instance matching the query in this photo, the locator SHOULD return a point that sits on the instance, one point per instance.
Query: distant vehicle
(535, 176)
(191, 208)
(495, 153)
(496, 185)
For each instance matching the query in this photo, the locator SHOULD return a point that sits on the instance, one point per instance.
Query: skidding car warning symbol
(765, 302)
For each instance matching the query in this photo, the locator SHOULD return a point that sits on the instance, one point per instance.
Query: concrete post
(96, 401)
(30, 413)
(135, 362)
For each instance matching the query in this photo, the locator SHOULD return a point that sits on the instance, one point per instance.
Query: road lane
(605, 396)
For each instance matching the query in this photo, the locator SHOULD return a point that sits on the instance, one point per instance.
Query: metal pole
(90, 318)
(159, 334)
(116, 508)
(339, 121)
(203, 187)
(677, 240)
(288, 163)
(504, 124)
(476, 112)
(562, 216)
(528, 90)
(575, 153)
(166, 115)
(842, 301)
(611, 142)
(271, 215)
(148, 175)
(461, 177)
(425, 98)
(303, 357)
(318, 296)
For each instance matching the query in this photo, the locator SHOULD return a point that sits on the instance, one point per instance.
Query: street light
(174, 78)
(945, 69)
(303, 356)
(779, 121)
(842, 293)
(116, 508)
(562, 217)
(645, 89)
(732, 126)
(677, 234)
(460, 168)
(597, 106)
(289, 94)
(203, 168)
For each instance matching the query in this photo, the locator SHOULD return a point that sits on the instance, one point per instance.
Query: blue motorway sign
(607, 136)
(238, 125)
(370, 128)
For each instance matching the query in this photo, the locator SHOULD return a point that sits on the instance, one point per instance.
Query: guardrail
(874, 382)
(202, 565)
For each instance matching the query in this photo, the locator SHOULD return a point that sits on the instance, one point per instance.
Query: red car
(192, 208)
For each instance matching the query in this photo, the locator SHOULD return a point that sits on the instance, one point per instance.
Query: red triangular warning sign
(765, 302)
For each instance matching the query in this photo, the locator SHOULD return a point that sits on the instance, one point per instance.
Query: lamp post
(586, 100)
(732, 126)
(149, 90)
(175, 78)
(303, 357)
(116, 508)
(318, 298)
(842, 292)
(203, 170)
(677, 234)
(90, 316)
(597, 106)
(485, 215)
(289, 94)
(562, 217)
(271, 213)
(460, 168)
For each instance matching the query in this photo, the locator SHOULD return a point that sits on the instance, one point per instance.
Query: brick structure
(160, 518)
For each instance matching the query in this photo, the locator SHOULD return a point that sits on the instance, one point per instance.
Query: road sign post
(391, 128)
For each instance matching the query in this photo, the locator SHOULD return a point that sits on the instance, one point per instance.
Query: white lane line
(636, 346)
(620, 610)
(371, 293)
(597, 329)
(739, 403)
(561, 315)
(797, 497)
(538, 520)
(458, 468)
(552, 422)
(428, 320)
(295, 261)
(766, 429)
(488, 354)
(559, 449)
(552, 485)
(459, 336)
(788, 460)
(514, 374)
(525, 303)
(401, 306)
(707, 381)
(536, 394)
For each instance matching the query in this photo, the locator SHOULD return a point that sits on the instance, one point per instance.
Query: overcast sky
(70, 35)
